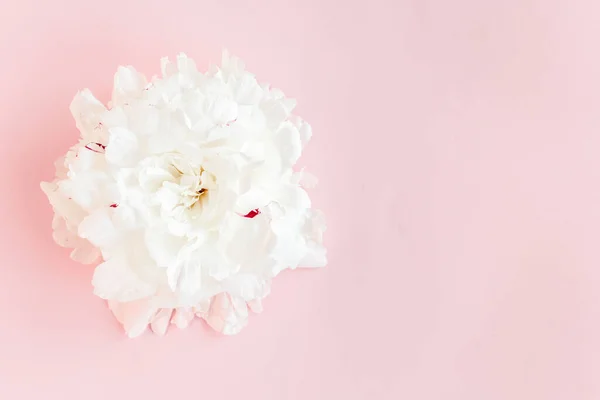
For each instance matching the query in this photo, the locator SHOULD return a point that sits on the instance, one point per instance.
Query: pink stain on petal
(95, 147)
(252, 213)
(114, 205)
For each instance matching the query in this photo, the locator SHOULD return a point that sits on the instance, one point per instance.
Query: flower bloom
(184, 189)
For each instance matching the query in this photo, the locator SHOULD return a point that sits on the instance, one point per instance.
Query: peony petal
(246, 286)
(228, 315)
(128, 83)
(114, 280)
(134, 315)
(160, 321)
(164, 248)
(287, 139)
(122, 147)
(99, 229)
(87, 111)
(86, 253)
(182, 317)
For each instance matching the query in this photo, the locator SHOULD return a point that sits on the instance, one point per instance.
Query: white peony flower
(184, 187)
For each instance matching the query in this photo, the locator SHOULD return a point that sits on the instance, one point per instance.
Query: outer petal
(183, 316)
(85, 253)
(122, 147)
(99, 229)
(160, 321)
(135, 315)
(288, 143)
(128, 83)
(247, 286)
(87, 111)
(164, 248)
(114, 280)
(228, 315)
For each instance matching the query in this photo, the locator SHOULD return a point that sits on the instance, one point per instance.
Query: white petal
(256, 305)
(114, 280)
(222, 110)
(289, 145)
(164, 248)
(190, 278)
(85, 254)
(182, 317)
(248, 91)
(255, 198)
(246, 286)
(128, 83)
(293, 196)
(305, 179)
(227, 314)
(134, 315)
(247, 238)
(122, 147)
(87, 111)
(160, 321)
(99, 229)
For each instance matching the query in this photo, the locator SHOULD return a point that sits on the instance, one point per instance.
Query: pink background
(457, 148)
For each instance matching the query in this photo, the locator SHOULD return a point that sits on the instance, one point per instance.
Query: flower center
(196, 198)
(194, 184)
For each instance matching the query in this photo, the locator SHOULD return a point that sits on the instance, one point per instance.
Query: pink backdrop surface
(456, 144)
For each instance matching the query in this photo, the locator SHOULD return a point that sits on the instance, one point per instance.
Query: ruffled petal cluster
(182, 190)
